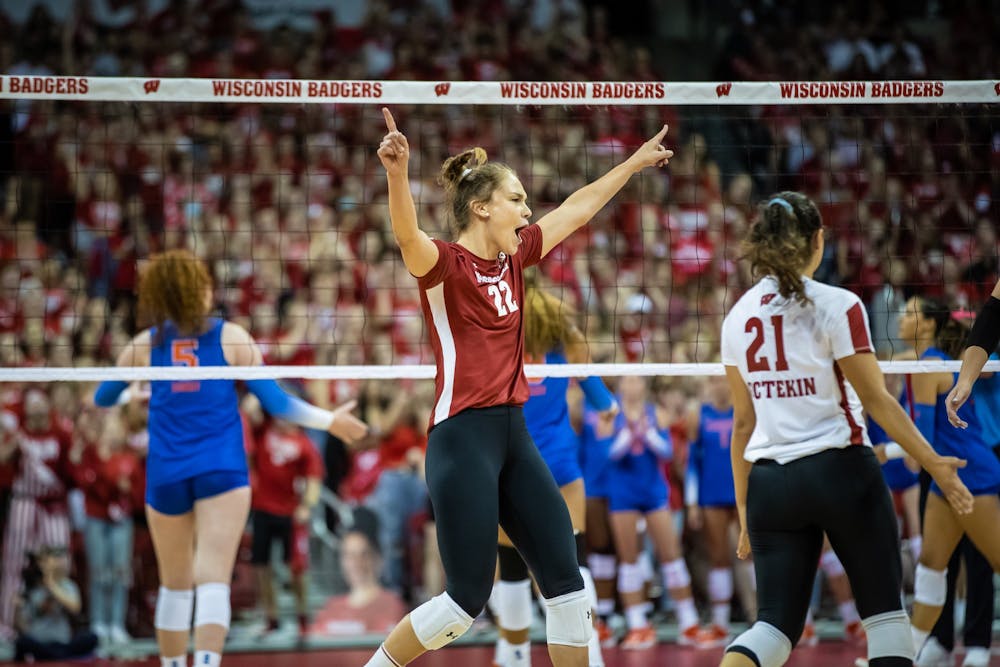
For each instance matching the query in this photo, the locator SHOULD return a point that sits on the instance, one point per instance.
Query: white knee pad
(602, 566)
(675, 574)
(588, 587)
(930, 587)
(766, 643)
(831, 565)
(889, 635)
(439, 621)
(173, 610)
(513, 604)
(568, 619)
(720, 584)
(630, 578)
(212, 605)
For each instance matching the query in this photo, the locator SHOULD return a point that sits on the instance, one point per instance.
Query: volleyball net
(276, 186)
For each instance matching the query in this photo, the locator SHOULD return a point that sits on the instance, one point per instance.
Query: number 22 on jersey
(503, 298)
(760, 362)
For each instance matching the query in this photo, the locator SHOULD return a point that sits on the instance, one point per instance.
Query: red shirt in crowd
(280, 457)
(339, 617)
(107, 483)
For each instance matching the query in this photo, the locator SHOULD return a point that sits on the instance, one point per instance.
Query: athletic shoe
(976, 656)
(809, 637)
(934, 655)
(101, 631)
(604, 634)
(118, 635)
(855, 632)
(689, 637)
(639, 639)
(713, 636)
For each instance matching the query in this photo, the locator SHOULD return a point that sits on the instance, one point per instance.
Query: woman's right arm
(135, 353)
(744, 422)
(419, 252)
(982, 340)
(240, 349)
(864, 374)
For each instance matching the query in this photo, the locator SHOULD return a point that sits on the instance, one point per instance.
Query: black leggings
(483, 470)
(840, 492)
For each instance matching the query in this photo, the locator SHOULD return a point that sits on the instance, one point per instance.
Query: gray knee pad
(439, 621)
(889, 635)
(764, 643)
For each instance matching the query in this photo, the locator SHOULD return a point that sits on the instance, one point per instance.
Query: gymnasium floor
(827, 654)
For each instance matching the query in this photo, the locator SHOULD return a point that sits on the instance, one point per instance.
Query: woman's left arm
(584, 204)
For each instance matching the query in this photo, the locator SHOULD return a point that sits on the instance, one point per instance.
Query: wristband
(986, 330)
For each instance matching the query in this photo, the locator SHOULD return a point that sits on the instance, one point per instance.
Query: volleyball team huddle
(802, 467)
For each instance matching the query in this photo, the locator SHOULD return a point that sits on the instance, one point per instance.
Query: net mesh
(276, 186)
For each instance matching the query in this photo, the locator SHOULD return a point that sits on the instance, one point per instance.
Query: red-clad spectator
(106, 470)
(38, 511)
(287, 475)
(366, 608)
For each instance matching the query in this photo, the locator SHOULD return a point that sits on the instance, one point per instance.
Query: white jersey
(787, 354)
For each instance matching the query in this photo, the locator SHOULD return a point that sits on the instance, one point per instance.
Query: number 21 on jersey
(760, 362)
(503, 298)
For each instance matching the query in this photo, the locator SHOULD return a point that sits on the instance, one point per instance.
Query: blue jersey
(709, 460)
(594, 450)
(897, 476)
(982, 474)
(636, 481)
(547, 417)
(194, 425)
(986, 394)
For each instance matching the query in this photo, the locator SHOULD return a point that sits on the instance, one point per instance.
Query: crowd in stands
(288, 207)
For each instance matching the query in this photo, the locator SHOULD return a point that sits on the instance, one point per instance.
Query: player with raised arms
(198, 493)
(482, 468)
(799, 362)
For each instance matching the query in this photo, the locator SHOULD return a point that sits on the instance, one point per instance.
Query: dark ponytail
(949, 333)
(779, 243)
(469, 177)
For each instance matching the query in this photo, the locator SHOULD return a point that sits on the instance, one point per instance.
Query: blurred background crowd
(286, 205)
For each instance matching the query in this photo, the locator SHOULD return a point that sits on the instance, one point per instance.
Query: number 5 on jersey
(503, 298)
(182, 352)
(759, 362)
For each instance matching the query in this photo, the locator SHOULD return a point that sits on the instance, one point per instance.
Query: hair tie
(465, 172)
(782, 203)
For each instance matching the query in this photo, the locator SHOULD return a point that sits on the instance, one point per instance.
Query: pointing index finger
(390, 122)
(662, 133)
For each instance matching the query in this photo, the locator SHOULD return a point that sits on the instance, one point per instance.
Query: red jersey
(107, 483)
(473, 313)
(279, 460)
(43, 472)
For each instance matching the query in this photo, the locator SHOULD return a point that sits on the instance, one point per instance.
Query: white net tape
(399, 372)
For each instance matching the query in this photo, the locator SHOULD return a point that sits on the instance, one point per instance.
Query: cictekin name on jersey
(793, 388)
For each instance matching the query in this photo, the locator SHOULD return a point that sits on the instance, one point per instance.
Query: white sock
(635, 617)
(179, 661)
(848, 612)
(919, 637)
(207, 659)
(916, 545)
(687, 614)
(594, 656)
(502, 652)
(720, 615)
(519, 655)
(605, 607)
(381, 659)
